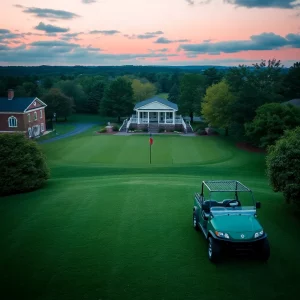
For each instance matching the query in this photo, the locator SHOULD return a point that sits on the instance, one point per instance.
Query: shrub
(116, 128)
(145, 129)
(283, 165)
(23, 164)
(201, 132)
(102, 130)
(161, 130)
(270, 122)
(198, 126)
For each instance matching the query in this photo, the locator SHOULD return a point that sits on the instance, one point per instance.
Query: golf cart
(225, 211)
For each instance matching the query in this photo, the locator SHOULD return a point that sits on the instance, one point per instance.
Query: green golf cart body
(226, 213)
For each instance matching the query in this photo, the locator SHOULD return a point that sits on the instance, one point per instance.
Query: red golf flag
(151, 141)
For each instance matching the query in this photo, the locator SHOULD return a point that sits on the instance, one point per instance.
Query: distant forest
(99, 70)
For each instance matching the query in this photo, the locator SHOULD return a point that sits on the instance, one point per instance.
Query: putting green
(109, 226)
(134, 150)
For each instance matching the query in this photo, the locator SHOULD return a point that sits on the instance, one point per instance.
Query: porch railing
(189, 122)
(134, 120)
(128, 124)
(184, 125)
(123, 125)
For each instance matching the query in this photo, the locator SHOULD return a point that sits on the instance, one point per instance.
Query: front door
(153, 116)
(162, 117)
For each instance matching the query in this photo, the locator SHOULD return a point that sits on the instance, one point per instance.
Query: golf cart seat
(210, 203)
(226, 201)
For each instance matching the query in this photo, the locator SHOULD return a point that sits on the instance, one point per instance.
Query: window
(41, 114)
(28, 117)
(42, 127)
(12, 122)
(34, 103)
(35, 116)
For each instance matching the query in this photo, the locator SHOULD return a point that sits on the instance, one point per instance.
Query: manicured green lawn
(134, 150)
(110, 226)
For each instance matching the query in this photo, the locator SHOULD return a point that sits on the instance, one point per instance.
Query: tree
(212, 76)
(164, 82)
(283, 165)
(58, 103)
(23, 164)
(74, 91)
(268, 81)
(216, 105)
(253, 88)
(47, 83)
(174, 94)
(118, 99)
(142, 91)
(31, 89)
(270, 122)
(95, 97)
(175, 79)
(20, 91)
(292, 82)
(192, 89)
(3, 91)
(88, 82)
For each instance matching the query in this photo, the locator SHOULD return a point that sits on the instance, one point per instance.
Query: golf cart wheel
(195, 222)
(214, 250)
(264, 250)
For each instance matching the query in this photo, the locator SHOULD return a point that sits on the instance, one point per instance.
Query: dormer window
(12, 122)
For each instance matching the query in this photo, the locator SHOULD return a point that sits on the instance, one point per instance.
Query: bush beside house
(23, 164)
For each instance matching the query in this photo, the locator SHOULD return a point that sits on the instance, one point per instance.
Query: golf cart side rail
(224, 186)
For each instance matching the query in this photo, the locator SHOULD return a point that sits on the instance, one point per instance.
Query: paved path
(79, 128)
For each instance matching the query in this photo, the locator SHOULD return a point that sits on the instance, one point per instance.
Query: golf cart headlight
(258, 234)
(222, 235)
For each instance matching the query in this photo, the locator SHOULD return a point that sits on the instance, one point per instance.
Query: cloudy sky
(148, 32)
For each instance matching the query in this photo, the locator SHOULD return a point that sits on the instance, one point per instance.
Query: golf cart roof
(225, 186)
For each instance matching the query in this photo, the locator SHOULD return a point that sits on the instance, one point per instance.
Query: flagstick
(150, 146)
(150, 154)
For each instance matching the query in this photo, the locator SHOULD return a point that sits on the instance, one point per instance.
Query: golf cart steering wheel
(232, 201)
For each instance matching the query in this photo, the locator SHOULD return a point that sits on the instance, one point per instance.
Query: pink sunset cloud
(121, 32)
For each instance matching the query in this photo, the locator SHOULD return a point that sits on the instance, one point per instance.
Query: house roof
(295, 102)
(156, 99)
(17, 104)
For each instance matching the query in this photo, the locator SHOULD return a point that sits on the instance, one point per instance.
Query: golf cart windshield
(241, 210)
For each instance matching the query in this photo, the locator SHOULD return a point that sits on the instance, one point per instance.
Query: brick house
(25, 115)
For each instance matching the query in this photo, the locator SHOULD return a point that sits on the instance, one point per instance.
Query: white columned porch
(158, 117)
(138, 112)
(173, 117)
(165, 117)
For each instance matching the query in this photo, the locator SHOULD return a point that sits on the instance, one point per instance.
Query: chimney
(11, 94)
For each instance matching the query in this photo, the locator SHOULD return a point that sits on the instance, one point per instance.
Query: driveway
(79, 128)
